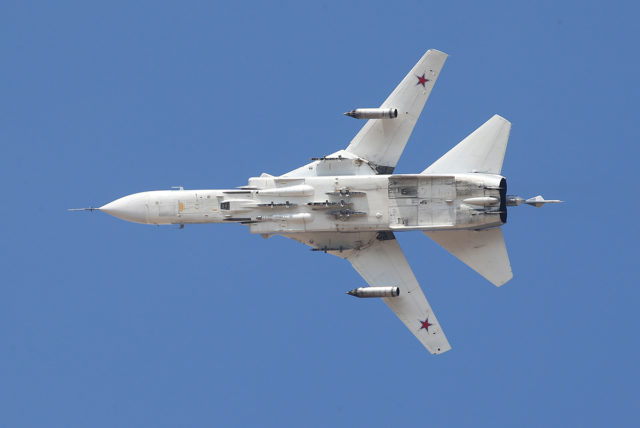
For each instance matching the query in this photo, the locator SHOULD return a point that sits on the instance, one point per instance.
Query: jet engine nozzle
(373, 113)
(375, 292)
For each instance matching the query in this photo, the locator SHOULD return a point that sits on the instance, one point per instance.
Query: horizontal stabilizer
(483, 251)
(482, 151)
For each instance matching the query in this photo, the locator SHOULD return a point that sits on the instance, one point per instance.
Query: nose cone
(131, 208)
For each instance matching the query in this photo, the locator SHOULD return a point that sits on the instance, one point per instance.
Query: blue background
(105, 323)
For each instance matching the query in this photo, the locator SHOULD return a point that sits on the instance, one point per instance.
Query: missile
(375, 292)
(297, 190)
(295, 218)
(373, 113)
(536, 201)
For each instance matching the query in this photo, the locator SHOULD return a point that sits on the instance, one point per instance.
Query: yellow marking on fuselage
(180, 206)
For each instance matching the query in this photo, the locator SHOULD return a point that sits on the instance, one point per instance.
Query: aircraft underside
(271, 205)
(350, 203)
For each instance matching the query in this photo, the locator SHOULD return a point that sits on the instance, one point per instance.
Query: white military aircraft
(350, 203)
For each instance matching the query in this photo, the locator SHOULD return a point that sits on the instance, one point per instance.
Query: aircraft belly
(422, 201)
(365, 203)
(183, 206)
(333, 204)
(436, 212)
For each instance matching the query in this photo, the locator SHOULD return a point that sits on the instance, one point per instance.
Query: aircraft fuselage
(271, 205)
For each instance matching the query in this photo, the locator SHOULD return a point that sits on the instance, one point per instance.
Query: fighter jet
(350, 203)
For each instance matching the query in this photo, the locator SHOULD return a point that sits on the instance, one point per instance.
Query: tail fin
(482, 151)
(483, 251)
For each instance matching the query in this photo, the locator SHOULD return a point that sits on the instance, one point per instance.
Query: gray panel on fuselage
(194, 206)
(422, 201)
(167, 208)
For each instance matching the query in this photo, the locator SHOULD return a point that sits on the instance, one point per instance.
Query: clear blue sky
(104, 323)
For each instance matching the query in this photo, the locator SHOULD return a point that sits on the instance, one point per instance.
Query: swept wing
(378, 258)
(382, 141)
(378, 146)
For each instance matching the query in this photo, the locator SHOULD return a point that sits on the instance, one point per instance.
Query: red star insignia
(425, 324)
(422, 80)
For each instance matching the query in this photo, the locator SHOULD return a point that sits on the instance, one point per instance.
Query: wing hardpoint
(378, 258)
(382, 141)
